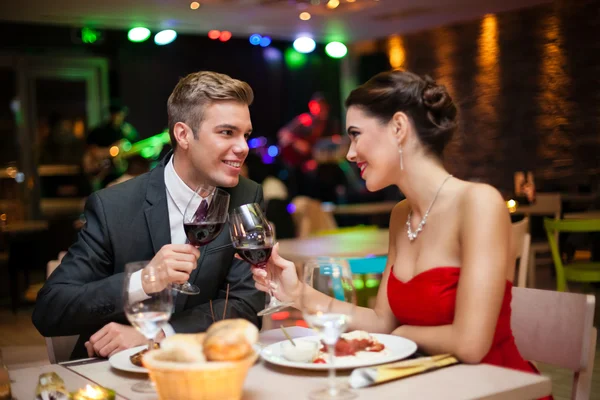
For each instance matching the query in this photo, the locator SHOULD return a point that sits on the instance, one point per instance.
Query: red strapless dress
(429, 299)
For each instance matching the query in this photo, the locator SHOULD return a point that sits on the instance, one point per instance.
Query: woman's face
(374, 148)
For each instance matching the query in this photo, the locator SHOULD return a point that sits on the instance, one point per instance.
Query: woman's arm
(485, 255)
(289, 288)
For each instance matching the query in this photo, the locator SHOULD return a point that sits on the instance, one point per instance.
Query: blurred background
(83, 105)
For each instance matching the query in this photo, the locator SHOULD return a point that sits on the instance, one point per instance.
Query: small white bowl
(304, 351)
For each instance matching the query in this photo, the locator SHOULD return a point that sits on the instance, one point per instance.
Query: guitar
(99, 161)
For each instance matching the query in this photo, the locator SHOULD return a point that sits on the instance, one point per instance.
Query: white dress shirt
(178, 196)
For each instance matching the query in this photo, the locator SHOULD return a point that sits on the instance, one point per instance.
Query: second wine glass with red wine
(253, 238)
(203, 220)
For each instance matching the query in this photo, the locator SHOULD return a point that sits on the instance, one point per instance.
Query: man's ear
(182, 134)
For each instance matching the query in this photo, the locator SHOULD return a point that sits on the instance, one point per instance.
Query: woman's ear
(400, 125)
(181, 133)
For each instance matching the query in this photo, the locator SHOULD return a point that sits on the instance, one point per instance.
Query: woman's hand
(282, 277)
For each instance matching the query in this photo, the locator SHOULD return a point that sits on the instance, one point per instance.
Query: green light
(372, 283)
(126, 145)
(294, 59)
(336, 50)
(89, 35)
(359, 284)
(147, 152)
(139, 34)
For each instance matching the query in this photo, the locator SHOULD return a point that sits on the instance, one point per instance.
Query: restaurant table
(384, 207)
(591, 214)
(267, 382)
(348, 244)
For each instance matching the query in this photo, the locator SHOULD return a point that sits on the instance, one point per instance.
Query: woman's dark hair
(426, 103)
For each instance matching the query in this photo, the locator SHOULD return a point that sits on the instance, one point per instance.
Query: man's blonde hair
(197, 91)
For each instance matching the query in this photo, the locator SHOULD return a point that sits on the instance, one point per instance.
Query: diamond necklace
(413, 235)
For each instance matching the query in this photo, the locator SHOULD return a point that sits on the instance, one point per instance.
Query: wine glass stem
(332, 385)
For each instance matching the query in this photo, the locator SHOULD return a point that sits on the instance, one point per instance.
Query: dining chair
(520, 243)
(576, 271)
(310, 218)
(557, 328)
(546, 204)
(60, 348)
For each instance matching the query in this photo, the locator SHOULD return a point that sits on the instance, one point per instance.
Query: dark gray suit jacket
(130, 222)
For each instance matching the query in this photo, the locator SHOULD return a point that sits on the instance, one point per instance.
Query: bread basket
(198, 381)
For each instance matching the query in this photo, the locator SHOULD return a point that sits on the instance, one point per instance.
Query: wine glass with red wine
(253, 238)
(203, 220)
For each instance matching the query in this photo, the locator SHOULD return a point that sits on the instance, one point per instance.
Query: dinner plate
(396, 348)
(121, 360)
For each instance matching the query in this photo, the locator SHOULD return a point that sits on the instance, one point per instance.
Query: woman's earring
(401, 158)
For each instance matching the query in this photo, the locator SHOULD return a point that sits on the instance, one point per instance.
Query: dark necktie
(201, 212)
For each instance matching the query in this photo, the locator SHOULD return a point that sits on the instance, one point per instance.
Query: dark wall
(144, 74)
(528, 86)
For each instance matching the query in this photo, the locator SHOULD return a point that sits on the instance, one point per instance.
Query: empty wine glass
(203, 220)
(253, 238)
(149, 315)
(332, 277)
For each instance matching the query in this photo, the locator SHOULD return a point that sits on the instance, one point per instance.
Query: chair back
(553, 228)
(520, 243)
(60, 348)
(310, 218)
(556, 328)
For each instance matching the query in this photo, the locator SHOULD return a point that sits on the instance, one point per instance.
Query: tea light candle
(94, 393)
(512, 205)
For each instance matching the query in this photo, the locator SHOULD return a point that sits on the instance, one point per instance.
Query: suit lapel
(157, 211)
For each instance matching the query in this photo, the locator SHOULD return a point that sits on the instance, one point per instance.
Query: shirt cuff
(168, 330)
(136, 290)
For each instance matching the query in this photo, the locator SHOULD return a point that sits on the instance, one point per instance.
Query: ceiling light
(165, 37)
(265, 41)
(304, 16)
(255, 39)
(214, 34)
(194, 5)
(333, 4)
(138, 34)
(304, 44)
(336, 50)
(225, 36)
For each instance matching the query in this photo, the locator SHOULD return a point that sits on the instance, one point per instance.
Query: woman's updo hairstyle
(426, 103)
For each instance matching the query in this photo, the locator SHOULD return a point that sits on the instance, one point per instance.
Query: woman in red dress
(445, 286)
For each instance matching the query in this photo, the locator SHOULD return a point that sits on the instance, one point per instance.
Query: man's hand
(175, 263)
(113, 338)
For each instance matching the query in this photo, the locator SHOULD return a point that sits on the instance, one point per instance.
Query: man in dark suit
(142, 219)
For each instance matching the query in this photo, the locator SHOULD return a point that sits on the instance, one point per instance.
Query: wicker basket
(198, 381)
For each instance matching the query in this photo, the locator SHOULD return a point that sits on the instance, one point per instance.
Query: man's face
(221, 146)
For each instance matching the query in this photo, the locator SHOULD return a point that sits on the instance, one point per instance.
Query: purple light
(291, 208)
(273, 151)
(267, 159)
(254, 143)
(272, 54)
(370, 256)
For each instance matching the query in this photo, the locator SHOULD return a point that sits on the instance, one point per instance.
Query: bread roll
(183, 348)
(230, 340)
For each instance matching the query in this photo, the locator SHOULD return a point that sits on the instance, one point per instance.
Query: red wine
(202, 233)
(256, 256)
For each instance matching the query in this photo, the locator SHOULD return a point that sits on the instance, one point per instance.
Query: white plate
(121, 360)
(396, 348)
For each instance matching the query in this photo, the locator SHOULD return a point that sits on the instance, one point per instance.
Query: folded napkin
(363, 377)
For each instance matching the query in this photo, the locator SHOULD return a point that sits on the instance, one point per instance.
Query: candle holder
(93, 393)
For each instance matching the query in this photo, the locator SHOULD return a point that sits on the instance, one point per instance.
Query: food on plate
(136, 359)
(302, 351)
(350, 344)
(226, 340)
